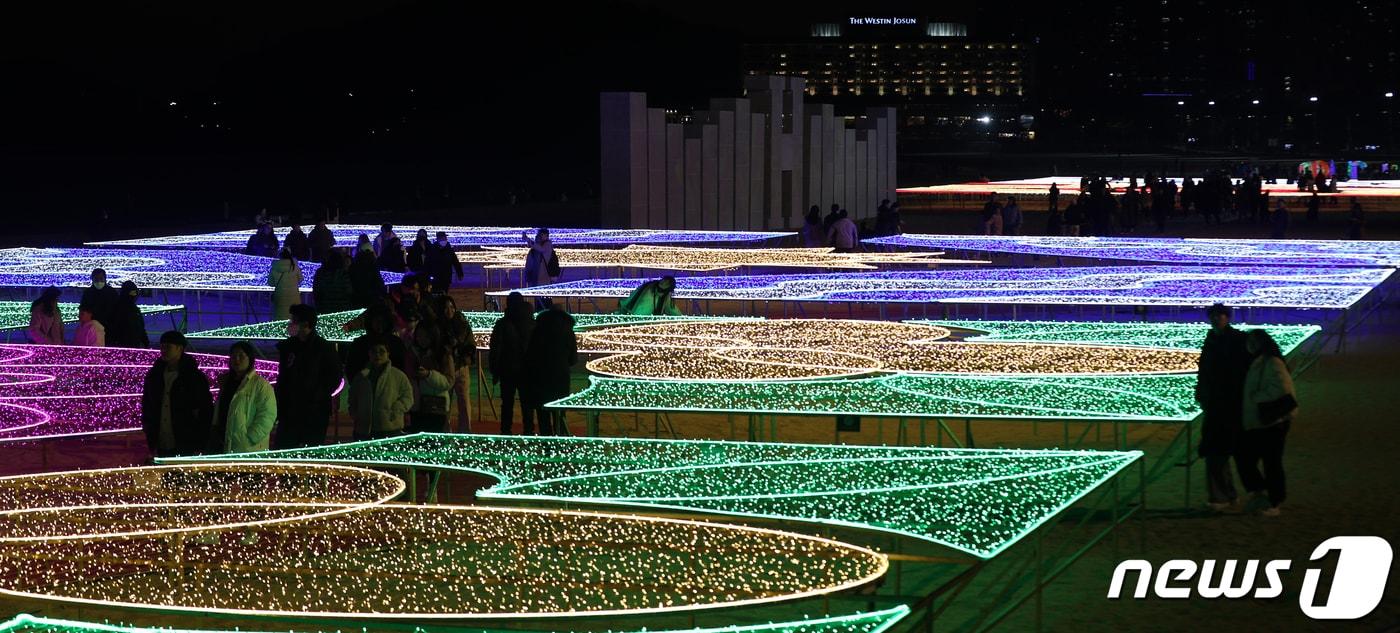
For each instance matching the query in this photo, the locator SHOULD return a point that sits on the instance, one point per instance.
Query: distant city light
(1181, 103)
(1389, 95)
(1255, 102)
(172, 104)
(1313, 99)
(1210, 103)
(984, 119)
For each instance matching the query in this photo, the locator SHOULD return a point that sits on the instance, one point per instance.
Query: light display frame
(877, 621)
(692, 259)
(1069, 186)
(1169, 250)
(150, 269)
(1163, 286)
(562, 460)
(14, 315)
(68, 413)
(858, 566)
(1166, 335)
(347, 235)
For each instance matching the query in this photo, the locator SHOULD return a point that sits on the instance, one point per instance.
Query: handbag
(432, 405)
(1275, 411)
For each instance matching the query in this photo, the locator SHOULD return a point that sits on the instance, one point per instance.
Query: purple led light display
(1241, 286)
(1384, 254)
(460, 237)
(155, 269)
(58, 391)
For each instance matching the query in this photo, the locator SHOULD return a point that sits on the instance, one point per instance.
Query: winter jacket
(357, 357)
(298, 244)
(251, 416)
(506, 358)
(418, 256)
(309, 373)
(366, 284)
(1267, 380)
(191, 407)
(549, 358)
(647, 300)
(379, 407)
(90, 334)
(1219, 389)
(45, 329)
(285, 279)
(322, 241)
(434, 384)
(128, 326)
(537, 264)
(101, 301)
(331, 290)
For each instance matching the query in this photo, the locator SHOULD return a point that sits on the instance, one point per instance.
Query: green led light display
(872, 622)
(976, 501)
(14, 315)
(1184, 336)
(332, 325)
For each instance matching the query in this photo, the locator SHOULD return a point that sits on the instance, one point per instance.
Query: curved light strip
(459, 236)
(14, 315)
(871, 622)
(708, 259)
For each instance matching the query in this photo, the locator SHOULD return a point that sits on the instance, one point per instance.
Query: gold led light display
(708, 259)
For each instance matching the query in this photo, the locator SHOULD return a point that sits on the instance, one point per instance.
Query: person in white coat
(285, 279)
(380, 395)
(1269, 405)
(246, 409)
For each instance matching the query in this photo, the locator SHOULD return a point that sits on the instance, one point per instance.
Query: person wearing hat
(1220, 376)
(246, 409)
(45, 319)
(309, 374)
(176, 405)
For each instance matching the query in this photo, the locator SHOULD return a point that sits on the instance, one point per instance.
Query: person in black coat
(418, 252)
(101, 297)
(442, 262)
(506, 360)
(549, 358)
(297, 242)
(176, 405)
(366, 284)
(322, 241)
(263, 242)
(309, 373)
(1220, 377)
(128, 326)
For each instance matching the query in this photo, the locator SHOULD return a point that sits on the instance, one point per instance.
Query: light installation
(1069, 186)
(872, 622)
(14, 315)
(459, 236)
(708, 259)
(1193, 286)
(1170, 250)
(153, 269)
(975, 501)
(1184, 336)
(389, 561)
(792, 349)
(332, 325)
(58, 391)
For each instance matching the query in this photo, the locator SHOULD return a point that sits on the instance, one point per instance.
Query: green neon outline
(14, 315)
(500, 491)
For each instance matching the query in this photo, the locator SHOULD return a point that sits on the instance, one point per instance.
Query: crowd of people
(107, 316)
(1246, 393)
(838, 231)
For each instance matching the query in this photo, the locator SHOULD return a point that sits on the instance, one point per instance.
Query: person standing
(843, 234)
(1220, 376)
(246, 409)
(509, 339)
(99, 296)
(812, 234)
(322, 241)
(386, 233)
(1132, 203)
(309, 373)
(297, 242)
(285, 279)
(1054, 198)
(1278, 222)
(128, 327)
(1314, 206)
(331, 289)
(418, 252)
(442, 262)
(1011, 217)
(392, 257)
(432, 366)
(1266, 415)
(1356, 221)
(176, 405)
(461, 344)
(263, 242)
(379, 330)
(366, 284)
(541, 262)
(46, 319)
(549, 359)
(90, 332)
(380, 395)
(991, 216)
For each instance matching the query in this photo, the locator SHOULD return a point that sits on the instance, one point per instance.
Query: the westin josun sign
(872, 21)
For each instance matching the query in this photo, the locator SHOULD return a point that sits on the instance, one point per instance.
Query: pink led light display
(51, 391)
